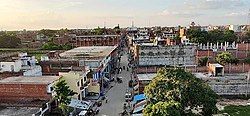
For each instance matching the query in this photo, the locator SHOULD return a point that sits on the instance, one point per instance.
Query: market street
(116, 94)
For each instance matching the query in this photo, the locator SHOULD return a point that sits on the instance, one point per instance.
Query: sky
(57, 14)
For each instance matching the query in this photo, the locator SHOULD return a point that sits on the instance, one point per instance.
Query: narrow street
(116, 94)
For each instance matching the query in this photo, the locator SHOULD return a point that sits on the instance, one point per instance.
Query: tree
(99, 31)
(180, 92)
(63, 95)
(203, 61)
(225, 57)
(247, 60)
(9, 40)
(170, 108)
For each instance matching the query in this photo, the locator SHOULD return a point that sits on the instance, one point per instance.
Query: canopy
(139, 97)
(138, 109)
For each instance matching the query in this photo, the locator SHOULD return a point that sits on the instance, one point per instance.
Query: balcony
(86, 84)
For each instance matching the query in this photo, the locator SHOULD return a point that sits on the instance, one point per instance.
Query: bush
(203, 61)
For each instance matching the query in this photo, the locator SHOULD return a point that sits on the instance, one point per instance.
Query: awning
(106, 79)
(138, 109)
(137, 115)
(82, 113)
(136, 87)
(139, 97)
(83, 105)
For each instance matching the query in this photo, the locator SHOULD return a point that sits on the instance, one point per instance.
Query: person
(106, 99)
(120, 69)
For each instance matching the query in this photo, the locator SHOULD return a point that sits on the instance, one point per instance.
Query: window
(81, 82)
(78, 83)
(51, 88)
(79, 97)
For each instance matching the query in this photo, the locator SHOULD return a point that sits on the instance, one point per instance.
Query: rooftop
(29, 80)
(100, 36)
(145, 77)
(89, 52)
(216, 65)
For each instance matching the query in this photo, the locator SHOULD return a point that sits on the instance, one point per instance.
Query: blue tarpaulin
(139, 98)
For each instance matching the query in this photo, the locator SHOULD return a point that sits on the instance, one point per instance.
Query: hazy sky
(38, 14)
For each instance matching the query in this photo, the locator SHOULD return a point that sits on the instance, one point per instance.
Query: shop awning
(106, 79)
(139, 97)
(136, 87)
(138, 109)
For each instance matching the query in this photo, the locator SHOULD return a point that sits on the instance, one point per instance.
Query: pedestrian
(106, 99)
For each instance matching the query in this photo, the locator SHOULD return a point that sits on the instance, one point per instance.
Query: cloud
(235, 14)
(184, 14)
(213, 4)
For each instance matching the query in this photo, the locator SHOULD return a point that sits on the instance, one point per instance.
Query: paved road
(116, 94)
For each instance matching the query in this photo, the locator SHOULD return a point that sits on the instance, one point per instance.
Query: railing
(42, 111)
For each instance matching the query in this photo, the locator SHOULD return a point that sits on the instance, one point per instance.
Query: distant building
(95, 40)
(235, 28)
(11, 66)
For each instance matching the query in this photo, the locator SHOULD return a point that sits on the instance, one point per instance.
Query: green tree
(203, 61)
(48, 32)
(224, 58)
(169, 108)
(247, 60)
(175, 86)
(9, 40)
(63, 96)
(99, 31)
(230, 36)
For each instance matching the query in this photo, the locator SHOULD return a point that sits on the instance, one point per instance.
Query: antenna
(132, 23)
(248, 18)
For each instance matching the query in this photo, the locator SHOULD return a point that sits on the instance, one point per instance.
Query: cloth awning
(136, 87)
(106, 79)
(138, 109)
(139, 97)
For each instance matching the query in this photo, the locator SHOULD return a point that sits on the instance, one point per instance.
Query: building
(21, 63)
(101, 60)
(11, 66)
(54, 66)
(149, 58)
(78, 82)
(95, 40)
(235, 28)
(143, 80)
(227, 85)
(97, 58)
(216, 69)
(27, 89)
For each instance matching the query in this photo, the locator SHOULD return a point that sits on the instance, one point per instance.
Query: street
(115, 95)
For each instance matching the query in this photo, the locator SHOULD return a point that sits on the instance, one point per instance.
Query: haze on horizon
(56, 14)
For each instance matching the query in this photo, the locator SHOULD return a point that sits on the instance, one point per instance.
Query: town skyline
(35, 15)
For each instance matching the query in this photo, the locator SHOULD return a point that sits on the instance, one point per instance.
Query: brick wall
(23, 92)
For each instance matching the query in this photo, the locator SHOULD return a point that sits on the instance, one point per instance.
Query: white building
(11, 66)
(170, 35)
(235, 28)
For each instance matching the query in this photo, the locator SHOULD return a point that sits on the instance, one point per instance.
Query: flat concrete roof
(89, 52)
(29, 80)
(145, 77)
(217, 65)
